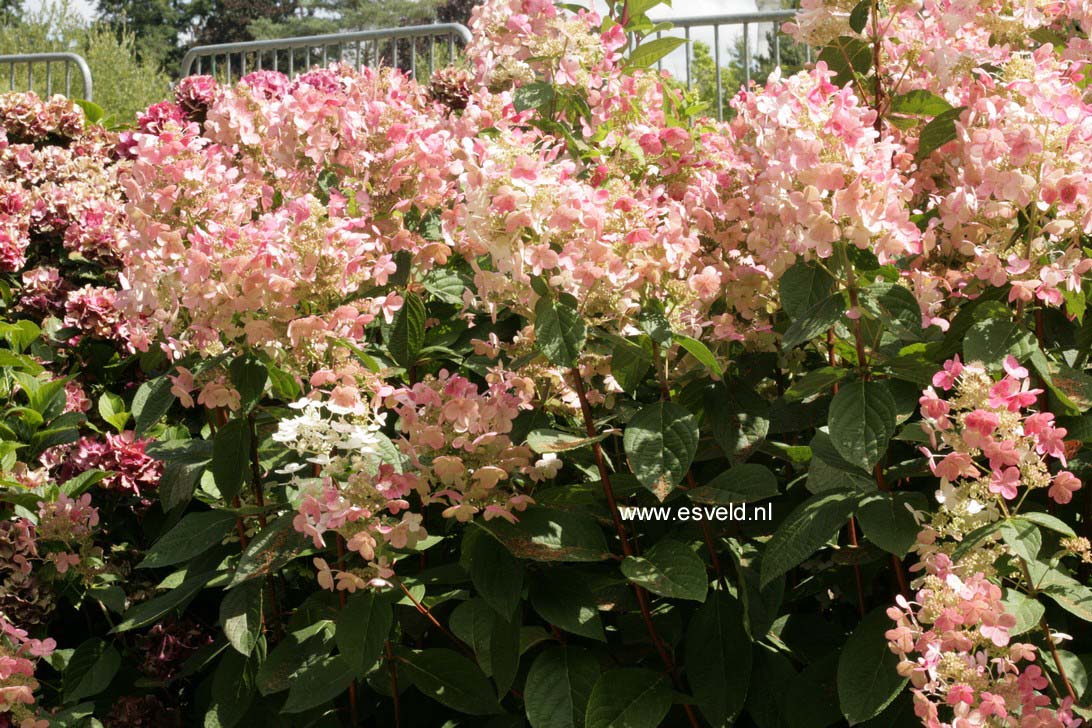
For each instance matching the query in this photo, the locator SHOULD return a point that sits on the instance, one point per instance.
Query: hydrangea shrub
(531, 395)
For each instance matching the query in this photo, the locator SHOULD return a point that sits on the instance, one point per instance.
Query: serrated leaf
(1022, 537)
(803, 286)
(249, 377)
(992, 340)
(363, 625)
(888, 523)
(717, 643)
(452, 680)
(938, 132)
(630, 697)
(318, 682)
(495, 573)
(546, 440)
(858, 17)
(532, 96)
(272, 548)
(1027, 610)
(192, 536)
(817, 319)
(648, 53)
(546, 534)
(805, 531)
(230, 457)
(567, 603)
(151, 403)
(558, 687)
(629, 364)
(862, 421)
(701, 352)
(90, 670)
(744, 483)
(919, 102)
(560, 332)
(241, 616)
(407, 333)
(867, 679)
(670, 569)
(660, 442)
(738, 418)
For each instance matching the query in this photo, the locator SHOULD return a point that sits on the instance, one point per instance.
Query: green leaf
(848, 57)
(862, 422)
(858, 17)
(532, 96)
(192, 536)
(974, 538)
(560, 332)
(1071, 595)
(648, 53)
(241, 616)
(867, 680)
(233, 684)
(919, 102)
(546, 534)
(629, 364)
(567, 603)
(701, 352)
(817, 319)
(806, 530)
(249, 377)
(737, 417)
(720, 655)
(1027, 610)
(230, 457)
(92, 112)
(887, 521)
(407, 334)
(112, 410)
(363, 625)
(151, 402)
(660, 442)
(803, 286)
(495, 573)
(80, 484)
(992, 340)
(272, 548)
(938, 132)
(495, 640)
(670, 569)
(744, 483)
(653, 321)
(298, 648)
(1049, 522)
(318, 682)
(628, 698)
(558, 687)
(90, 670)
(148, 612)
(452, 680)
(1022, 537)
(178, 483)
(544, 440)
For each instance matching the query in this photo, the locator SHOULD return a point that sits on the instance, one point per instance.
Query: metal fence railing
(754, 36)
(19, 71)
(406, 48)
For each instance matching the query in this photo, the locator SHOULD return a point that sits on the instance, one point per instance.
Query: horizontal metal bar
(765, 16)
(437, 30)
(29, 59)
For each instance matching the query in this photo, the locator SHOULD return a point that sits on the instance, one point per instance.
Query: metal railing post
(15, 62)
